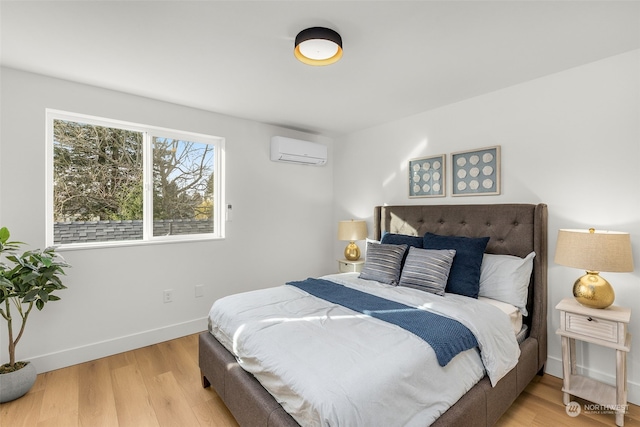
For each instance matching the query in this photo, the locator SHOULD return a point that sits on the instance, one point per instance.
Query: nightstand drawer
(346, 266)
(592, 327)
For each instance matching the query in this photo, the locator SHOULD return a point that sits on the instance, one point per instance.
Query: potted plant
(27, 280)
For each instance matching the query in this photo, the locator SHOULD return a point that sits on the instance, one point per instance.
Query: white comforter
(329, 366)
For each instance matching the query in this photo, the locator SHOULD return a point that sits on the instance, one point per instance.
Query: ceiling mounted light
(318, 46)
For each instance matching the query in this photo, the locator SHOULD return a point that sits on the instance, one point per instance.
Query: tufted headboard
(514, 229)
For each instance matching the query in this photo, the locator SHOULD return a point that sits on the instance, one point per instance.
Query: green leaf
(29, 277)
(56, 281)
(31, 295)
(39, 304)
(4, 234)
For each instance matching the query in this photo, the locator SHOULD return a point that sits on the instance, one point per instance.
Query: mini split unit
(297, 151)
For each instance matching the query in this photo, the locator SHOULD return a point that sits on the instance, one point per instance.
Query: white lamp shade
(352, 230)
(594, 250)
(318, 49)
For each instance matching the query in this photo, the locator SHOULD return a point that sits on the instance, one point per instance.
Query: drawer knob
(589, 319)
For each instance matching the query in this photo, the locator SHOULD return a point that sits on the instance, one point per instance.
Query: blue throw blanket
(446, 336)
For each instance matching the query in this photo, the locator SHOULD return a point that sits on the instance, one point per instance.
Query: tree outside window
(99, 176)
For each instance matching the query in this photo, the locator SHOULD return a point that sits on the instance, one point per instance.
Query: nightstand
(606, 327)
(346, 266)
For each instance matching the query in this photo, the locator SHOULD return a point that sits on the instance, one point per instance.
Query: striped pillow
(383, 263)
(427, 269)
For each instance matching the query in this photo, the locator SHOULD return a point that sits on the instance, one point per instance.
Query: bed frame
(514, 229)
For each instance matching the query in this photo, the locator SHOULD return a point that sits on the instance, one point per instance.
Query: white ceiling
(236, 57)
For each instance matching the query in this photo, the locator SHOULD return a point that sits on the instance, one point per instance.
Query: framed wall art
(476, 172)
(427, 177)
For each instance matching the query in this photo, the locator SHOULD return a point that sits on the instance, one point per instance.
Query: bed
(513, 229)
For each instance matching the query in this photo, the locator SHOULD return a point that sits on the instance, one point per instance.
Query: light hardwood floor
(160, 385)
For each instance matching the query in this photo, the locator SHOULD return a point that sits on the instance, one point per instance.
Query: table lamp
(594, 251)
(352, 231)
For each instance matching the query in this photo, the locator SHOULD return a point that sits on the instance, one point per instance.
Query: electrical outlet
(167, 295)
(199, 291)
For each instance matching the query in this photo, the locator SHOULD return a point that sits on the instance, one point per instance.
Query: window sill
(129, 243)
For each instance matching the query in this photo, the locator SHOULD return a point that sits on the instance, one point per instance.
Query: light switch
(229, 212)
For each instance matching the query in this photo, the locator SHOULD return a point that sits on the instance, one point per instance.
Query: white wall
(570, 140)
(282, 227)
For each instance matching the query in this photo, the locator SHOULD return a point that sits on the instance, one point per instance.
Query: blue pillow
(464, 277)
(402, 239)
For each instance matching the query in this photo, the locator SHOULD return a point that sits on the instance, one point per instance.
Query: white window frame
(149, 132)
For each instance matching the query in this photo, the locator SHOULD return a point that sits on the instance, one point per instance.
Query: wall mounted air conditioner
(291, 150)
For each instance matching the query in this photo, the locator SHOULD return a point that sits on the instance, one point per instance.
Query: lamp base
(352, 252)
(593, 291)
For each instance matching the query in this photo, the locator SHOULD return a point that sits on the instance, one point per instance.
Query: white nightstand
(346, 266)
(606, 327)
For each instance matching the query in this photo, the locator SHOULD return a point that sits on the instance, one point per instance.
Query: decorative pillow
(506, 278)
(383, 263)
(427, 269)
(366, 246)
(402, 239)
(464, 277)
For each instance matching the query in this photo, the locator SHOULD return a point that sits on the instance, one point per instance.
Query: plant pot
(16, 384)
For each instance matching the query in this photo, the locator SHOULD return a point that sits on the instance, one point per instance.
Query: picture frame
(427, 176)
(476, 172)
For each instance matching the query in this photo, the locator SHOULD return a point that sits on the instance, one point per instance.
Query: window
(112, 182)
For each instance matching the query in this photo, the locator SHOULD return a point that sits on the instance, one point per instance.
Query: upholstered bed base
(515, 229)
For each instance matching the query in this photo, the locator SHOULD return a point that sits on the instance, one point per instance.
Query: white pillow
(506, 278)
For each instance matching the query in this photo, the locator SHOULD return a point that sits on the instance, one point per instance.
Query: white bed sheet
(329, 366)
(515, 315)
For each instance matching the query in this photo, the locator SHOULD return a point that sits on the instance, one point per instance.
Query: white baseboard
(97, 350)
(554, 367)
